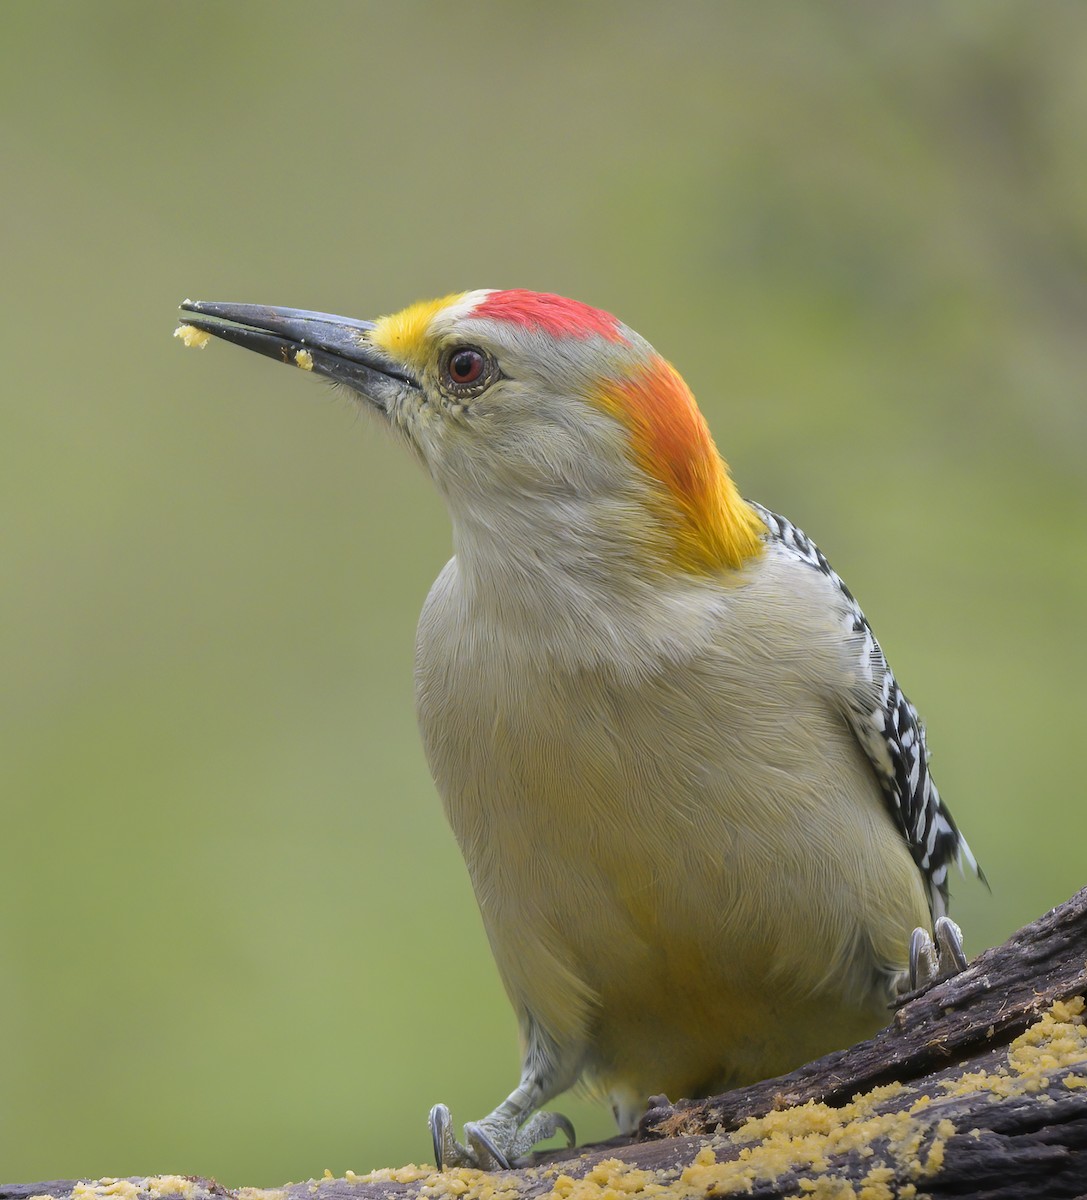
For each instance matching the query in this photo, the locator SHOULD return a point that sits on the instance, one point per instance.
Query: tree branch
(977, 1087)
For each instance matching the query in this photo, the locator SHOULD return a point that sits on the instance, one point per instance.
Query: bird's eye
(465, 371)
(466, 366)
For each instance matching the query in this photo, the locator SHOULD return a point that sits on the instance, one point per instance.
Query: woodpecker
(693, 800)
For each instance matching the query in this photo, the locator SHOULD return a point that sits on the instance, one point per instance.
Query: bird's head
(530, 411)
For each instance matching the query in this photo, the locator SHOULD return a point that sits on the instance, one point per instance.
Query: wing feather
(891, 734)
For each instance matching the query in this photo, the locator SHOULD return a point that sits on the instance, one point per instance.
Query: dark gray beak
(336, 347)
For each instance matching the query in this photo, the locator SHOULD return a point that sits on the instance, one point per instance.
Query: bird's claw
(448, 1152)
(931, 961)
(494, 1143)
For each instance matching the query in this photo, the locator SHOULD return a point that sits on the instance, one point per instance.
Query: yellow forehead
(403, 335)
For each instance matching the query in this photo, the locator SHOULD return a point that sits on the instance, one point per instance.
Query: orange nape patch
(672, 443)
(404, 335)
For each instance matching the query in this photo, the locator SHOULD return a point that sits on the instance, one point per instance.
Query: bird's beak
(336, 347)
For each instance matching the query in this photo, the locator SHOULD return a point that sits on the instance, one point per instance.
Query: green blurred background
(237, 938)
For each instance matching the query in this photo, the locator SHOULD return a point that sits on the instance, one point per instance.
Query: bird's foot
(931, 961)
(494, 1143)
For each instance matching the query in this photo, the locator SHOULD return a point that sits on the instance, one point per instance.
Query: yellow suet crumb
(609, 1180)
(192, 336)
(409, 1174)
(304, 359)
(463, 1182)
(1055, 1042)
(97, 1189)
(158, 1187)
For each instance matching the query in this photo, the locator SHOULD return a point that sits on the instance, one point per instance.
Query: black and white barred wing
(888, 728)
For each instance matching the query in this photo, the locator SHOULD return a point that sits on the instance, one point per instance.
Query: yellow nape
(716, 527)
(405, 335)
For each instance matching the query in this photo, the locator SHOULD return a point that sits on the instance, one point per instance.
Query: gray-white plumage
(694, 803)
